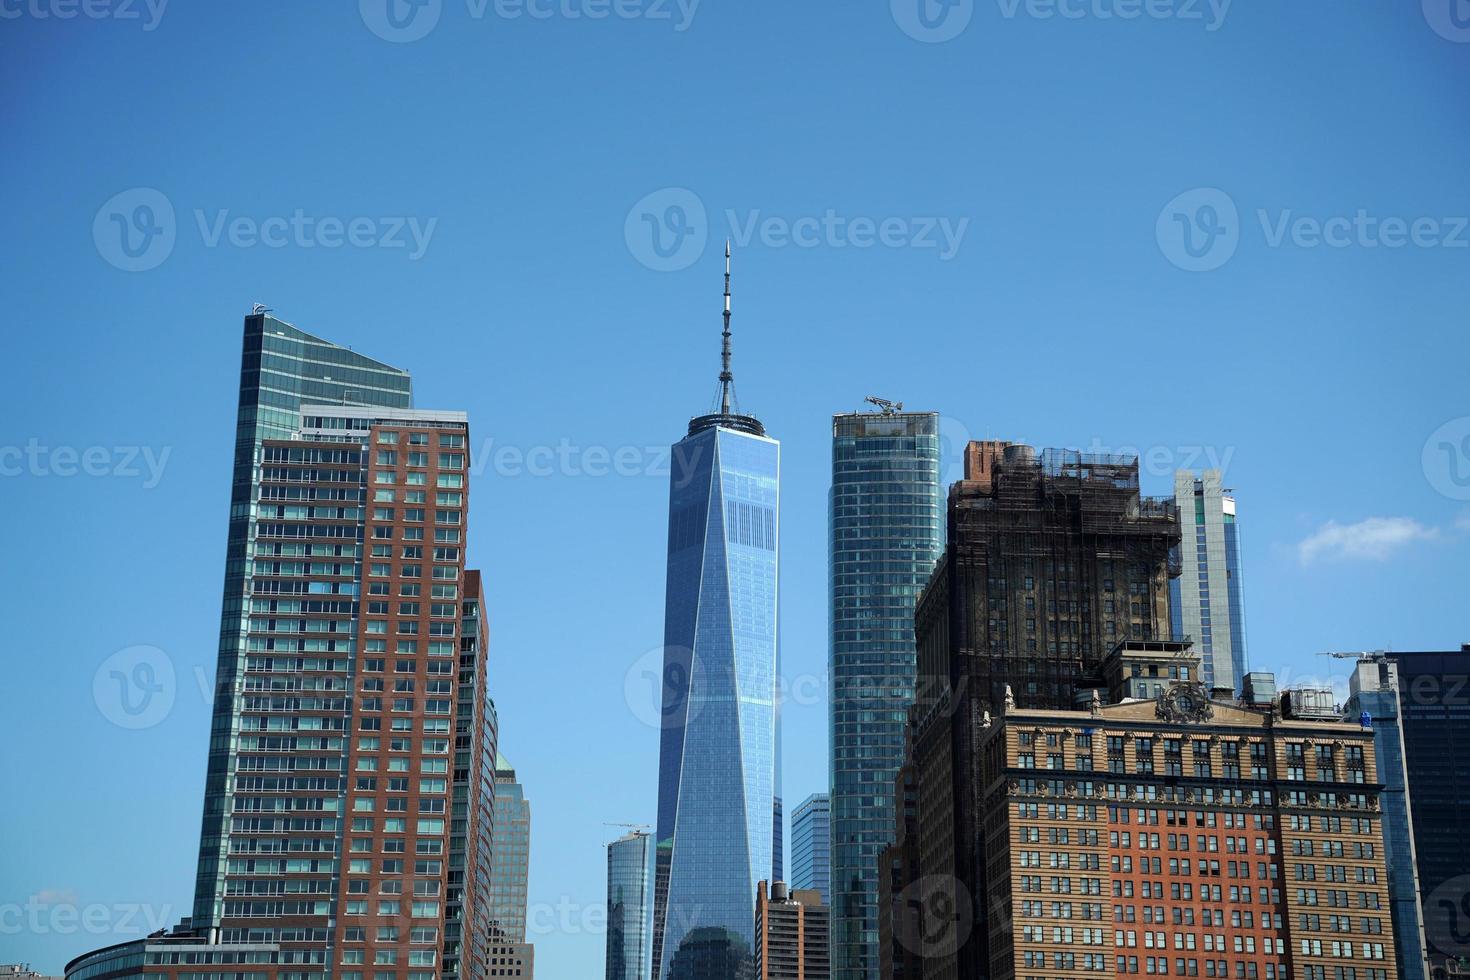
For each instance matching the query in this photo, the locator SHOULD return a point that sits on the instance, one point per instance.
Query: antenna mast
(727, 380)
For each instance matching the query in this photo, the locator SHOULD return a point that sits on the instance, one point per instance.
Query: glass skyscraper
(886, 531)
(1374, 700)
(510, 857)
(811, 846)
(1206, 599)
(1434, 706)
(718, 780)
(630, 907)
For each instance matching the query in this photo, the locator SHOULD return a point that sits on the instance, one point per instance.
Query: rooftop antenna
(727, 380)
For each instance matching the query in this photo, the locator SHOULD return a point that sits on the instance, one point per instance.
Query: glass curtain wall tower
(630, 907)
(1206, 599)
(718, 756)
(886, 531)
(811, 846)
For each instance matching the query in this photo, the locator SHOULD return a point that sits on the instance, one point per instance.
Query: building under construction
(1052, 561)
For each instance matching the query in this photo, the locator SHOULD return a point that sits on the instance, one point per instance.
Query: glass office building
(886, 531)
(630, 907)
(1374, 701)
(811, 846)
(718, 756)
(1206, 600)
(1434, 702)
(510, 856)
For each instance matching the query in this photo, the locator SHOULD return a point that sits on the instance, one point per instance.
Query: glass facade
(1375, 701)
(811, 847)
(1206, 601)
(630, 907)
(1434, 701)
(282, 368)
(510, 857)
(886, 531)
(718, 777)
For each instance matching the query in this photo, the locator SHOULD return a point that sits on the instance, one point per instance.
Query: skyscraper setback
(886, 530)
(718, 778)
(347, 816)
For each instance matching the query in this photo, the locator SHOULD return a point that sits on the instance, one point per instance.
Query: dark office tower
(886, 530)
(718, 778)
(476, 733)
(281, 367)
(1374, 704)
(1052, 562)
(630, 907)
(1434, 706)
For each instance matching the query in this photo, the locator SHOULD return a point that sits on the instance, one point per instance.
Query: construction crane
(628, 826)
(884, 405)
(1375, 656)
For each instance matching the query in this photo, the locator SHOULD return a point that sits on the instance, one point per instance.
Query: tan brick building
(1183, 837)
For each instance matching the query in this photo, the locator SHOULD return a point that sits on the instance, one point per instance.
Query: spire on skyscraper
(727, 380)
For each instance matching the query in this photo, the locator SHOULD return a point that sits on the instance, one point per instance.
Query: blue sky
(1231, 233)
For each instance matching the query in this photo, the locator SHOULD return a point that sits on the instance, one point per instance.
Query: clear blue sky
(1066, 315)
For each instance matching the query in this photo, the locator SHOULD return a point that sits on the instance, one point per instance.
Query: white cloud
(1373, 539)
